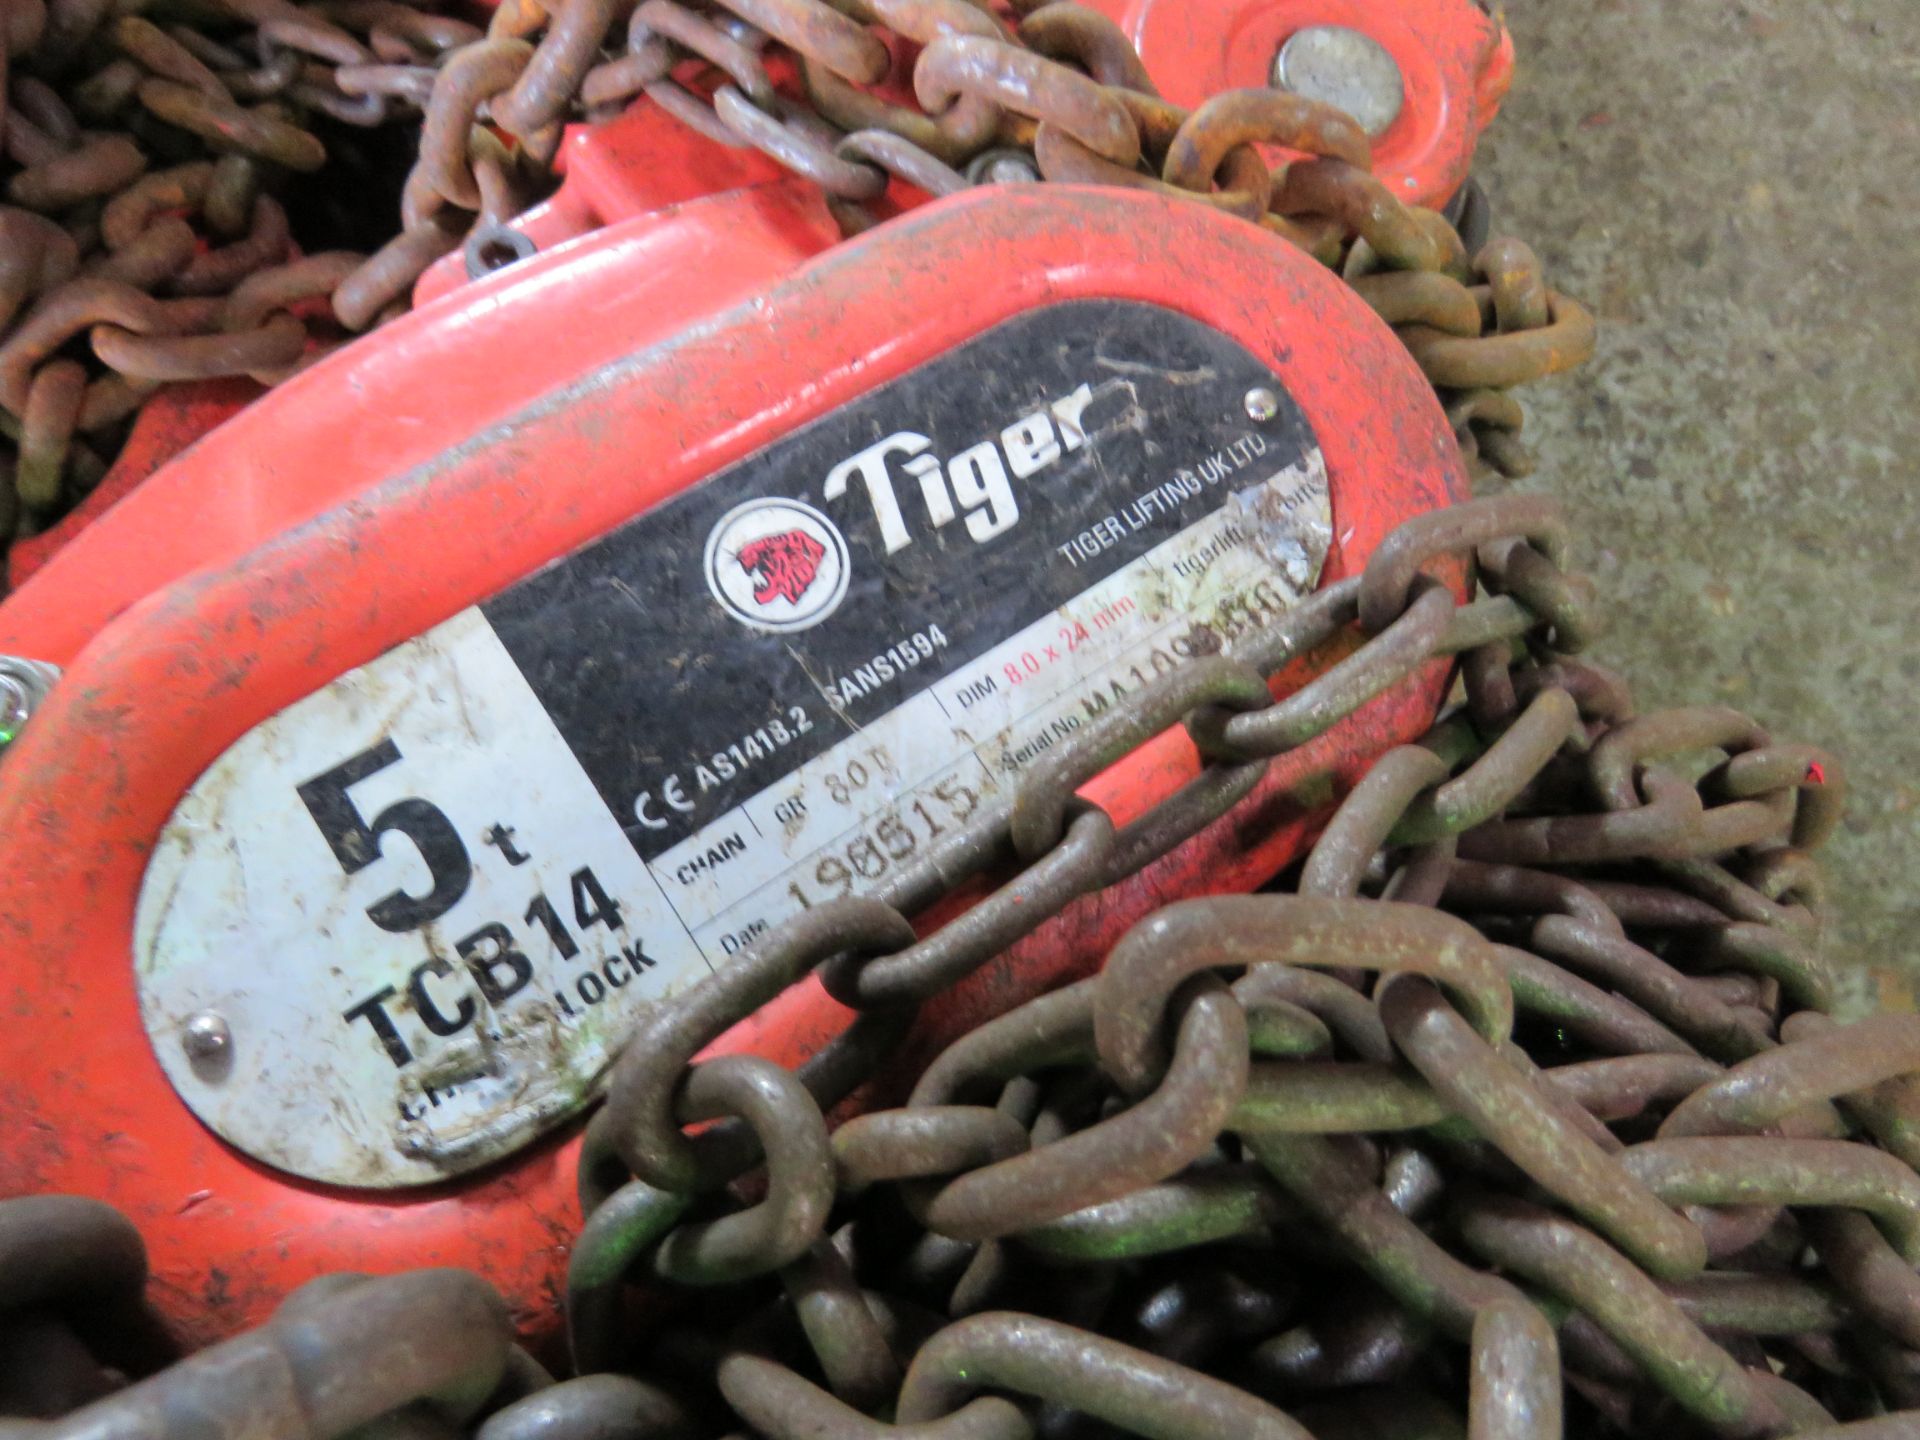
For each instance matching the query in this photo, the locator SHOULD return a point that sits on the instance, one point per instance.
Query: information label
(399, 929)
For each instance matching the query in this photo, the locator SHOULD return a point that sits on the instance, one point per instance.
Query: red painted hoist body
(702, 311)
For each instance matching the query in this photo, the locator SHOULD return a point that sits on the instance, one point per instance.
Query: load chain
(150, 154)
(1518, 1111)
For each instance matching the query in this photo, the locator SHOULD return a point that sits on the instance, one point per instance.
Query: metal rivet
(24, 686)
(1346, 69)
(1262, 404)
(16, 708)
(1003, 167)
(206, 1036)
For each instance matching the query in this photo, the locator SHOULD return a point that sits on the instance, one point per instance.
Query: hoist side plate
(423, 905)
(166, 689)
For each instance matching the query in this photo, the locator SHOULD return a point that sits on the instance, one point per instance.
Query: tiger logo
(777, 565)
(783, 566)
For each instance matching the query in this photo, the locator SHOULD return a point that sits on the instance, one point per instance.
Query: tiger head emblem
(783, 566)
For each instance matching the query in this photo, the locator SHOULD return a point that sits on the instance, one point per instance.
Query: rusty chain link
(1651, 1199)
(1437, 1138)
(152, 146)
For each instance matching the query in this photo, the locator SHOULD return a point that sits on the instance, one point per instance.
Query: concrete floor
(1731, 185)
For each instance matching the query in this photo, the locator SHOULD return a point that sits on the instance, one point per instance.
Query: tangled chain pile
(151, 151)
(1516, 1113)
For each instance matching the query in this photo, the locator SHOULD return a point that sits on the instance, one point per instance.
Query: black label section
(936, 516)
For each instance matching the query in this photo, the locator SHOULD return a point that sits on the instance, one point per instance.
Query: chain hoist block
(711, 770)
(482, 705)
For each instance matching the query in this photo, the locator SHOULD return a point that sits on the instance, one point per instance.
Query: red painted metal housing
(487, 434)
(1456, 62)
(1455, 59)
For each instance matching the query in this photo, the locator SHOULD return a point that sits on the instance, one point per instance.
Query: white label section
(321, 1043)
(309, 1015)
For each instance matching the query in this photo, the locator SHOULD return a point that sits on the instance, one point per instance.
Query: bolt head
(1262, 404)
(1346, 69)
(494, 247)
(206, 1037)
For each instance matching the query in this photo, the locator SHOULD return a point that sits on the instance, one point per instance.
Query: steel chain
(1567, 1147)
(150, 149)
(1158, 1176)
